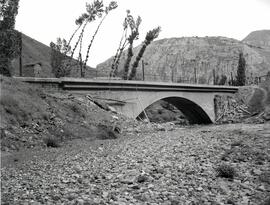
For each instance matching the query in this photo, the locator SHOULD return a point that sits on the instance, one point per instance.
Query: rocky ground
(62, 148)
(146, 164)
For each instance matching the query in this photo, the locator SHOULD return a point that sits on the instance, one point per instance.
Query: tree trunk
(136, 62)
(127, 63)
(116, 64)
(79, 39)
(91, 42)
(72, 36)
(118, 54)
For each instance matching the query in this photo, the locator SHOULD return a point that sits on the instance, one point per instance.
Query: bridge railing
(104, 74)
(101, 74)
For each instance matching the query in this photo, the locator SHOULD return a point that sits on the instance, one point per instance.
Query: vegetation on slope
(29, 116)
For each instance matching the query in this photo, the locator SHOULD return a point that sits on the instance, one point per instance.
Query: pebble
(144, 169)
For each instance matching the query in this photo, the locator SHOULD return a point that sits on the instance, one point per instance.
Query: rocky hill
(35, 52)
(193, 59)
(260, 42)
(259, 38)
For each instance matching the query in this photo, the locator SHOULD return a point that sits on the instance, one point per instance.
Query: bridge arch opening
(192, 111)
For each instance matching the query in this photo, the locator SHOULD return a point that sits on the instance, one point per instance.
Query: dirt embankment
(250, 104)
(31, 117)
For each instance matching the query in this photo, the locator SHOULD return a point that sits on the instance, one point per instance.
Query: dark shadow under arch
(193, 112)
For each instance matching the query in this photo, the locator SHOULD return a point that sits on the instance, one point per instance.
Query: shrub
(255, 104)
(266, 202)
(51, 142)
(225, 171)
(106, 132)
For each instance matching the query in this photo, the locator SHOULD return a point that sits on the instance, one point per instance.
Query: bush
(51, 142)
(255, 104)
(106, 132)
(225, 171)
(266, 202)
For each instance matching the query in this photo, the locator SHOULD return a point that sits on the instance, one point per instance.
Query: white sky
(45, 20)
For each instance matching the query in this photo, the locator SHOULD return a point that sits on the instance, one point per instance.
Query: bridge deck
(91, 84)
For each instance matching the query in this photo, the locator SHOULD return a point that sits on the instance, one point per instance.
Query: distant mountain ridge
(194, 58)
(174, 59)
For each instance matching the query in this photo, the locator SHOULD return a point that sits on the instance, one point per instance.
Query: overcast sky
(45, 20)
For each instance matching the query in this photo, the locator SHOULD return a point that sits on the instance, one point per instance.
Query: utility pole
(20, 57)
(195, 74)
(143, 69)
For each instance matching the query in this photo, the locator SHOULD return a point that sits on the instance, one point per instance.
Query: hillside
(181, 59)
(34, 51)
(176, 59)
(259, 38)
(30, 117)
(259, 41)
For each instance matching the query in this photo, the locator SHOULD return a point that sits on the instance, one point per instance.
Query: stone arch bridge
(132, 97)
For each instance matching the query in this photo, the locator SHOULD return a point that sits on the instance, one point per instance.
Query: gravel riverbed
(146, 167)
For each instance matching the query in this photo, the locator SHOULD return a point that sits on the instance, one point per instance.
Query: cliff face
(193, 59)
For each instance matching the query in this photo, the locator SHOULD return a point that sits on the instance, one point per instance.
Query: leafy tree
(150, 36)
(10, 40)
(59, 52)
(232, 81)
(93, 11)
(8, 13)
(122, 45)
(241, 71)
(222, 80)
(113, 5)
(134, 35)
(79, 22)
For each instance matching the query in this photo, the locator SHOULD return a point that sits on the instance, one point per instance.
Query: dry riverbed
(218, 164)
